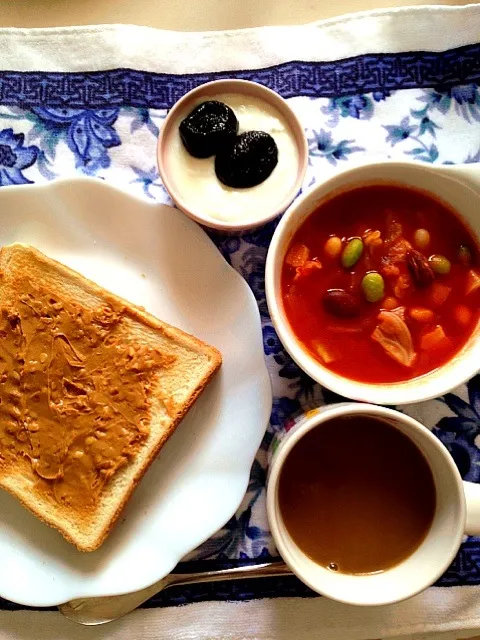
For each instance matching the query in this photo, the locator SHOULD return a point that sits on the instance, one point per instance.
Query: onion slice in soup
(393, 335)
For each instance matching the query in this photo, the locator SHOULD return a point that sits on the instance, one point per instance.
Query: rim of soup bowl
(464, 365)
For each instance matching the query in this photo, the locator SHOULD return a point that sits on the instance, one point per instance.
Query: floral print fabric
(435, 124)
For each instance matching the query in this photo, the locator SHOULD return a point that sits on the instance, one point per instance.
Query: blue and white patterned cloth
(379, 85)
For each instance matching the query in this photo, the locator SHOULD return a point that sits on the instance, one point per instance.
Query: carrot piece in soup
(439, 293)
(435, 339)
(372, 239)
(402, 286)
(297, 255)
(390, 303)
(463, 315)
(388, 268)
(421, 314)
(473, 281)
(393, 335)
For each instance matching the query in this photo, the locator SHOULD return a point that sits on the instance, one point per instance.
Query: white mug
(457, 513)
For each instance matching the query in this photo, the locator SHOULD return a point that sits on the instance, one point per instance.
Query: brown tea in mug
(356, 495)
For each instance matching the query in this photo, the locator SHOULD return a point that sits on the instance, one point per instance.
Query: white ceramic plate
(153, 256)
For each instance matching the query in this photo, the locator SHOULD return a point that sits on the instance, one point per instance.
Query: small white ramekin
(247, 88)
(459, 187)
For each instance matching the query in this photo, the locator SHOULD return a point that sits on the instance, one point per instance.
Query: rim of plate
(264, 380)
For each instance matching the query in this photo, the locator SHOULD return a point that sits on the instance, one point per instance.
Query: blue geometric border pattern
(126, 87)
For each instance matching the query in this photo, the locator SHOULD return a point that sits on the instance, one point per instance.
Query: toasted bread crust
(198, 363)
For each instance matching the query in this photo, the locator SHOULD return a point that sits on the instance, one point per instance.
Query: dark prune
(206, 129)
(247, 161)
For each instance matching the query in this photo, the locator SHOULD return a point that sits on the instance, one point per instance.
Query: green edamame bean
(373, 286)
(440, 264)
(352, 253)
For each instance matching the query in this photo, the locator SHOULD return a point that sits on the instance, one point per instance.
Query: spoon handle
(265, 570)
(100, 610)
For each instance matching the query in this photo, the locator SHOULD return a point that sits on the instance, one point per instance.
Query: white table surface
(191, 15)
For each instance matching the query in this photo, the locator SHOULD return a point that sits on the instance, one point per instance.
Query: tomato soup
(382, 284)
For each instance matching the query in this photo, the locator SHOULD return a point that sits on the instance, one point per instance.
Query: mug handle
(472, 499)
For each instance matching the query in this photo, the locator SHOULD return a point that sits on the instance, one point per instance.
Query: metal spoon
(94, 611)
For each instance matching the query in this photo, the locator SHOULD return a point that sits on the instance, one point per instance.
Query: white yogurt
(201, 190)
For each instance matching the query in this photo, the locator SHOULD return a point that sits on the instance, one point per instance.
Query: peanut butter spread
(74, 393)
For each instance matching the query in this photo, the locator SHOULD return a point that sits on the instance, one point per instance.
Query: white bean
(421, 238)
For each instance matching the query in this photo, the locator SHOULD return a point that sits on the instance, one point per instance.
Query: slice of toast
(91, 388)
